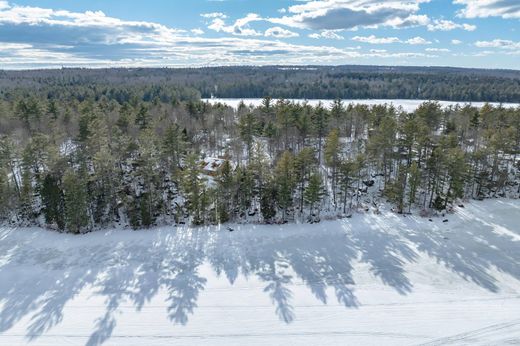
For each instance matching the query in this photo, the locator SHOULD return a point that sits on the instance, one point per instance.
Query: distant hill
(311, 82)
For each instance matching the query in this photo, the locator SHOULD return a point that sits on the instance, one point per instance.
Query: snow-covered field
(371, 280)
(407, 105)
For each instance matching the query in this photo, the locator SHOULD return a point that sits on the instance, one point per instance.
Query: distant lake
(407, 105)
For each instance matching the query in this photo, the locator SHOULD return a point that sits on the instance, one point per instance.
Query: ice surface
(407, 105)
(370, 280)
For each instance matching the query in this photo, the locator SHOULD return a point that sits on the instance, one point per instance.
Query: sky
(174, 33)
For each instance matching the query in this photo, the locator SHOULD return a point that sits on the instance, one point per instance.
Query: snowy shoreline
(371, 280)
(407, 105)
(384, 208)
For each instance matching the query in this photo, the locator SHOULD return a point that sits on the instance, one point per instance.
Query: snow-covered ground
(371, 280)
(407, 105)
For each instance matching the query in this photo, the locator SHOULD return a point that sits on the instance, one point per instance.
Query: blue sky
(100, 33)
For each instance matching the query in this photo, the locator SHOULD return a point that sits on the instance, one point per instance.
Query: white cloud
(327, 34)
(387, 40)
(376, 40)
(418, 41)
(239, 28)
(498, 43)
(214, 15)
(456, 42)
(350, 14)
(440, 50)
(278, 32)
(489, 8)
(39, 37)
(448, 25)
(42, 37)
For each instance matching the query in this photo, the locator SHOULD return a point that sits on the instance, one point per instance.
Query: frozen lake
(407, 105)
(371, 280)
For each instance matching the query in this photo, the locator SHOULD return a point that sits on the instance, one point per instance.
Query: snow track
(371, 280)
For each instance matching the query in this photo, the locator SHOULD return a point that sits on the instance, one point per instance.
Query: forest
(86, 156)
(290, 82)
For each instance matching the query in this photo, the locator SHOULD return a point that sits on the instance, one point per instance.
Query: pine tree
(331, 153)
(284, 173)
(304, 163)
(382, 143)
(75, 201)
(337, 112)
(142, 119)
(319, 126)
(457, 170)
(248, 129)
(52, 199)
(104, 185)
(193, 186)
(5, 193)
(147, 173)
(314, 193)
(346, 176)
(174, 146)
(415, 181)
(268, 201)
(52, 109)
(224, 192)
(284, 119)
(245, 186)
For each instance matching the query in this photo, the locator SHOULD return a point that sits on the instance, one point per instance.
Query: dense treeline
(314, 82)
(77, 165)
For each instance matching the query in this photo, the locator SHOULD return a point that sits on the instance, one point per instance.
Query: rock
(445, 220)
(369, 183)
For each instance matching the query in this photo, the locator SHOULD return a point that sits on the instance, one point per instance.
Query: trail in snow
(371, 280)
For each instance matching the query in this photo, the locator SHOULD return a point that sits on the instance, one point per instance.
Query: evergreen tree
(304, 162)
(245, 186)
(174, 146)
(346, 176)
(331, 153)
(319, 126)
(314, 193)
(415, 181)
(224, 192)
(142, 119)
(194, 188)
(52, 199)
(75, 201)
(248, 129)
(284, 173)
(268, 201)
(5, 194)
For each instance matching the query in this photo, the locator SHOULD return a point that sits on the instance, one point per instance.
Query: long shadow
(37, 282)
(471, 252)
(180, 276)
(385, 252)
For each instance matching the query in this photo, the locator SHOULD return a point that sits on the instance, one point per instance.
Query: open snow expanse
(371, 280)
(407, 105)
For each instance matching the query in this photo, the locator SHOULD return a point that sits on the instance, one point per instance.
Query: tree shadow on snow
(37, 282)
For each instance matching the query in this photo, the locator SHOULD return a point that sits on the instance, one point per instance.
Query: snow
(373, 279)
(407, 105)
(212, 164)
